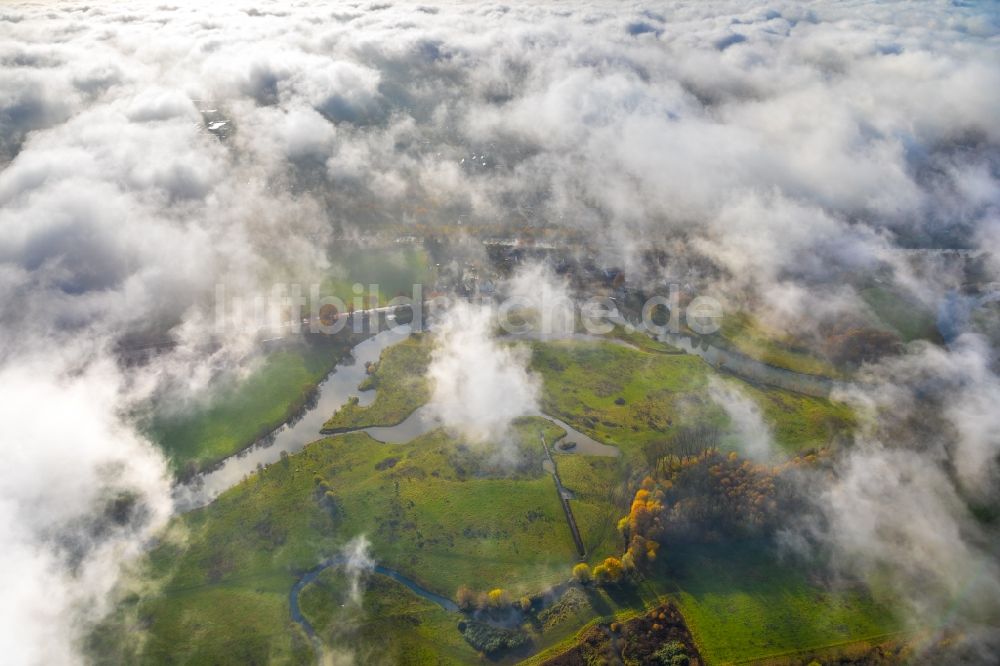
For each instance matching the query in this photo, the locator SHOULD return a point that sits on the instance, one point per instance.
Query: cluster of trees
(857, 345)
(672, 653)
(684, 441)
(642, 528)
(702, 496)
(708, 495)
(489, 639)
(325, 496)
(712, 493)
(611, 570)
(495, 599)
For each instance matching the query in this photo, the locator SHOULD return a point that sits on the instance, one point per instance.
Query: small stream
(754, 370)
(313, 574)
(422, 421)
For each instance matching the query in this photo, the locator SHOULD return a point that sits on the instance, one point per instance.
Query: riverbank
(241, 413)
(331, 393)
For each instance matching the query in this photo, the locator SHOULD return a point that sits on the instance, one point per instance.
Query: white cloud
(753, 437)
(478, 384)
(68, 458)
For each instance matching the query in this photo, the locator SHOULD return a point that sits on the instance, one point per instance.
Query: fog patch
(894, 519)
(479, 386)
(541, 299)
(898, 510)
(753, 437)
(358, 563)
(80, 493)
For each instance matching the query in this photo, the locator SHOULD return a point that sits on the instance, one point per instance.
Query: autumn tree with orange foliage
(609, 571)
(714, 495)
(711, 495)
(643, 526)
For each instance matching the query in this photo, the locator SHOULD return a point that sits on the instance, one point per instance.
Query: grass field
(741, 332)
(400, 388)
(435, 509)
(741, 602)
(643, 341)
(389, 625)
(394, 270)
(632, 398)
(446, 514)
(243, 622)
(799, 422)
(599, 501)
(240, 412)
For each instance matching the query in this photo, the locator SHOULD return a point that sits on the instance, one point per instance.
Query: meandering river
(332, 393)
(313, 574)
(340, 385)
(754, 370)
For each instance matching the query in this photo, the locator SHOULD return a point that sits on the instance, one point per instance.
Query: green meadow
(389, 624)
(599, 501)
(438, 510)
(394, 270)
(448, 513)
(742, 602)
(241, 411)
(743, 333)
(631, 398)
(399, 384)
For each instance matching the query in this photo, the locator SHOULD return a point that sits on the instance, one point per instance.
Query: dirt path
(564, 497)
